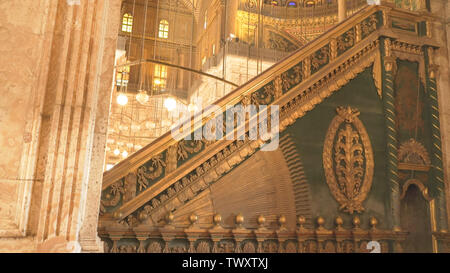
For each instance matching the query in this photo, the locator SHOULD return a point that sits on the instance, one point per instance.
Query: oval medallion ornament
(348, 160)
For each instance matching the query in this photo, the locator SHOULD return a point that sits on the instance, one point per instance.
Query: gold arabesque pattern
(348, 160)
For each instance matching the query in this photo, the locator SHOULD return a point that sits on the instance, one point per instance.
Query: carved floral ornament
(412, 155)
(348, 160)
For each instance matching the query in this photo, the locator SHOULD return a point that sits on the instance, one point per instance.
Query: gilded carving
(152, 172)
(154, 247)
(314, 241)
(188, 147)
(346, 40)
(248, 247)
(113, 197)
(291, 247)
(278, 42)
(370, 25)
(203, 247)
(377, 75)
(413, 152)
(387, 47)
(348, 160)
(171, 158)
(129, 187)
(320, 58)
(270, 247)
(390, 64)
(226, 247)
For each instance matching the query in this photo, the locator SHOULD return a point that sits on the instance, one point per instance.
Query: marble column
(74, 119)
(89, 240)
(342, 10)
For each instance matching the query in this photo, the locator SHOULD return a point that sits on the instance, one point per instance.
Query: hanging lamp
(142, 97)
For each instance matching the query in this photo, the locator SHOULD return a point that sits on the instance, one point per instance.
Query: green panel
(404, 25)
(309, 134)
(411, 106)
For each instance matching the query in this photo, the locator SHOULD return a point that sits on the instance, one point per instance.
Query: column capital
(390, 63)
(433, 70)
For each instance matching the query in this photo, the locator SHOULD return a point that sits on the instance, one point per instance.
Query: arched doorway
(416, 217)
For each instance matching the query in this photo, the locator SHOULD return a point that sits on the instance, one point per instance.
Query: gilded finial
(169, 218)
(118, 215)
(217, 219)
(373, 222)
(193, 218)
(239, 219)
(301, 220)
(339, 222)
(261, 220)
(356, 222)
(320, 221)
(282, 220)
(143, 215)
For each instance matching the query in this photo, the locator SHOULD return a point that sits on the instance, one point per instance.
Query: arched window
(163, 29)
(310, 3)
(123, 76)
(160, 77)
(127, 22)
(292, 4)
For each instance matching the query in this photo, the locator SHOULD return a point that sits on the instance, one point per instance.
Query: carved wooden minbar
(149, 187)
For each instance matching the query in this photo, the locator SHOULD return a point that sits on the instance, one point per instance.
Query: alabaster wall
(56, 65)
(24, 58)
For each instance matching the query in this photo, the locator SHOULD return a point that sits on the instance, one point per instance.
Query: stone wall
(441, 32)
(57, 60)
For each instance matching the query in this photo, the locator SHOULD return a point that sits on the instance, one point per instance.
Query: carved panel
(348, 160)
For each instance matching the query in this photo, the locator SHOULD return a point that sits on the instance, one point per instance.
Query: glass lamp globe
(150, 125)
(192, 107)
(170, 104)
(135, 127)
(124, 154)
(122, 99)
(116, 152)
(142, 97)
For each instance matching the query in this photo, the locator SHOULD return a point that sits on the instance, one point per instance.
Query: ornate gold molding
(348, 160)
(216, 238)
(412, 155)
(390, 64)
(433, 70)
(423, 189)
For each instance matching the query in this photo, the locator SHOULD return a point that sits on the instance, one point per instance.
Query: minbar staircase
(141, 193)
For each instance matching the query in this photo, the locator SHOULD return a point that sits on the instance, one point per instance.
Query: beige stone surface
(441, 32)
(53, 119)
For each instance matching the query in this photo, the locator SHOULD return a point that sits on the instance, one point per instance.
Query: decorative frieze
(240, 239)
